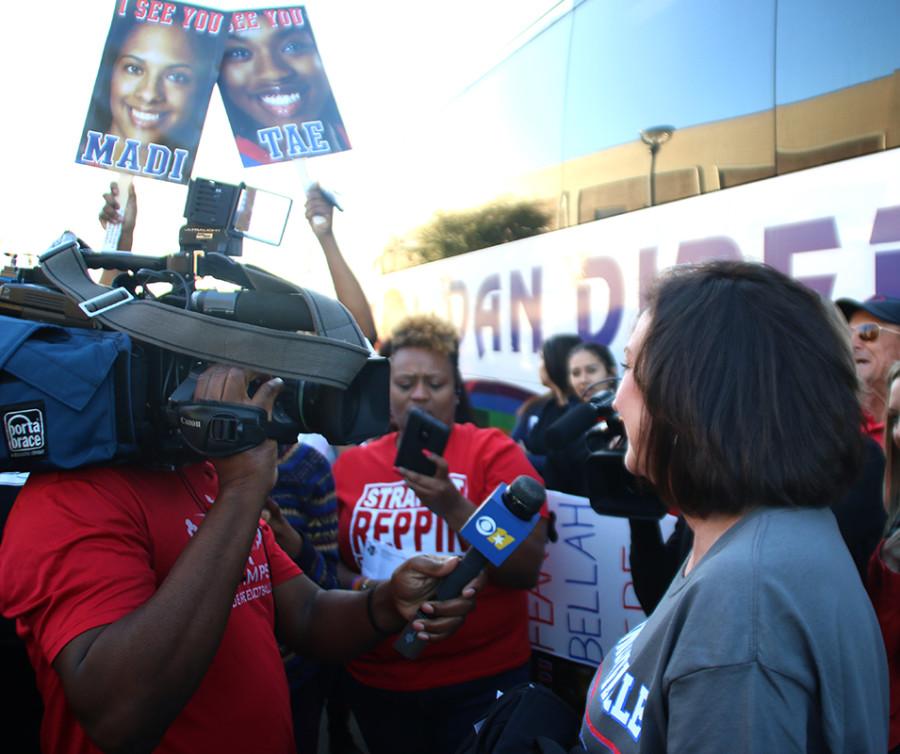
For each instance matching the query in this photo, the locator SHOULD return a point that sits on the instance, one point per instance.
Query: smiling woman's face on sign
(274, 75)
(154, 84)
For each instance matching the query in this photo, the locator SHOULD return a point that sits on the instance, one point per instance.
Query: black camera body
(333, 386)
(590, 440)
(611, 488)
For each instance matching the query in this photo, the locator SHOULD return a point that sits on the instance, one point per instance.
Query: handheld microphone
(280, 312)
(494, 531)
(578, 420)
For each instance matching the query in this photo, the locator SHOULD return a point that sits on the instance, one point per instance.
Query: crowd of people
(225, 605)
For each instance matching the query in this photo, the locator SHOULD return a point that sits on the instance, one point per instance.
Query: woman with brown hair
(738, 392)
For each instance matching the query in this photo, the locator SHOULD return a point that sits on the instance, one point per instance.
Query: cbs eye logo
(486, 526)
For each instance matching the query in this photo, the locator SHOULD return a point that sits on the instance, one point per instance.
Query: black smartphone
(422, 432)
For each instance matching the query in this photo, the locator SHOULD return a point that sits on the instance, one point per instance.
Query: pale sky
(391, 64)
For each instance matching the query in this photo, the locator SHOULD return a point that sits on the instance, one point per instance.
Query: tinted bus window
(617, 106)
(838, 80)
(703, 67)
(505, 125)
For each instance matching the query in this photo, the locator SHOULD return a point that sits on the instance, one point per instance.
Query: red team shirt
(85, 548)
(374, 501)
(883, 586)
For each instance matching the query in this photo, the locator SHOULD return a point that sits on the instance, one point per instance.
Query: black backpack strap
(332, 356)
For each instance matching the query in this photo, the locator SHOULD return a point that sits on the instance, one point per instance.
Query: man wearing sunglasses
(875, 329)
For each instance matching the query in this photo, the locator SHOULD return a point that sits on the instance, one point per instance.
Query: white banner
(584, 601)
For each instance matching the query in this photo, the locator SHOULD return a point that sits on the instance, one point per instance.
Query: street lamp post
(654, 138)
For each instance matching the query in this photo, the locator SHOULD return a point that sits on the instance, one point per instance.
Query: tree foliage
(451, 233)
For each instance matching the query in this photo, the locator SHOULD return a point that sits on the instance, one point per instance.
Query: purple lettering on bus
(520, 299)
(487, 312)
(783, 241)
(887, 273)
(458, 288)
(716, 247)
(886, 229)
(607, 269)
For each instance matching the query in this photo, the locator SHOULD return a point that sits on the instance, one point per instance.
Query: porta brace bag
(58, 396)
(527, 718)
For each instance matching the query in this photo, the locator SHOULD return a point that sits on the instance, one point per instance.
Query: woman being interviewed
(387, 513)
(740, 406)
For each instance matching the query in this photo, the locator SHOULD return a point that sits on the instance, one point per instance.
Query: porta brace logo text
(24, 431)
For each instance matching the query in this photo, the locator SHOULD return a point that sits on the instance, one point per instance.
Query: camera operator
(592, 378)
(150, 600)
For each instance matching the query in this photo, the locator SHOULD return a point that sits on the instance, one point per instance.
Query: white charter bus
(653, 132)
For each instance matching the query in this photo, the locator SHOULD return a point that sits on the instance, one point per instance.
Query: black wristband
(370, 611)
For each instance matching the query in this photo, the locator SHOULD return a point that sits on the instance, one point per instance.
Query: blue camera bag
(58, 404)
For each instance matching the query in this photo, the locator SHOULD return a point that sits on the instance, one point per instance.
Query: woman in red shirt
(387, 513)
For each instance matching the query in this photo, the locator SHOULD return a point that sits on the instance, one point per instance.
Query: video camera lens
(342, 416)
(611, 488)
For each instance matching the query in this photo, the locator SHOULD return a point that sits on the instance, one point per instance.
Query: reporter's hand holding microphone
(494, 531)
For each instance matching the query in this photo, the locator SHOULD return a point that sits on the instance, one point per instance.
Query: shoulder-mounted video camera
(97, 374)
(611, 488)
(590, 437)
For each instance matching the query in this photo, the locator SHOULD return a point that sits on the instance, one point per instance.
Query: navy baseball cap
(885, 308)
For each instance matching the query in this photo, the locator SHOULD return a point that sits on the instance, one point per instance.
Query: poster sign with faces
(159, 65)
(277, 96)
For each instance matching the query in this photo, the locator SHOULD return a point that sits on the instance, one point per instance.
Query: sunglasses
(869, 332)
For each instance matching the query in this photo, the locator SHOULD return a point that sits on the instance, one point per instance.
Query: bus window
(515, 109)
(838, 75)
(702, 68)
(616, 106)
(486, 147)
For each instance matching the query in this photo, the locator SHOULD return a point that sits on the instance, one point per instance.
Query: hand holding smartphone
(422, 432)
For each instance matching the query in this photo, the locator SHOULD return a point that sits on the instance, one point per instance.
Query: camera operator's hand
(254, 469)
(410, 588)
(317, 206)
